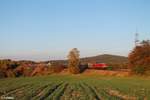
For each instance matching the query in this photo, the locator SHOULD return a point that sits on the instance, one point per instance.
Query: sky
(48, 29)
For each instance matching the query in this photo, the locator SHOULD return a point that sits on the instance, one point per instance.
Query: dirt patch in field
(99, 72)
(106, 72)
(120, 95)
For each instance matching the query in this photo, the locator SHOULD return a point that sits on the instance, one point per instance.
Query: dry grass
(106, 72)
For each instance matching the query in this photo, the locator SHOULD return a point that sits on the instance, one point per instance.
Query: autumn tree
(7, 68)
(73, 61)
(139, 58)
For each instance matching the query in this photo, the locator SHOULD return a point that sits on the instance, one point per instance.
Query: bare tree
(73, 61)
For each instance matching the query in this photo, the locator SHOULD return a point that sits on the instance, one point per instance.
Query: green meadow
(76, 87)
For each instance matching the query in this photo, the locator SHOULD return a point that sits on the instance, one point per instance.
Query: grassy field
(76, 87)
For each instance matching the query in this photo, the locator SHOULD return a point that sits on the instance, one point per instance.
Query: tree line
(138, 63)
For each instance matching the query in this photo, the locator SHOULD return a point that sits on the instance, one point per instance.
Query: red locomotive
(98, 66)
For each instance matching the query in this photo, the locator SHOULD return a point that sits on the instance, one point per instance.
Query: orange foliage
(139, 58)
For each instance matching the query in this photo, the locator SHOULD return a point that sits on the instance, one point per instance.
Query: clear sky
(48, 29)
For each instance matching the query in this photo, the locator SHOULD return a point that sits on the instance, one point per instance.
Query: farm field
(76, 87)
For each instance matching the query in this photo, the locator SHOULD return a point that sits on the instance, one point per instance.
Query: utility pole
(136, 38)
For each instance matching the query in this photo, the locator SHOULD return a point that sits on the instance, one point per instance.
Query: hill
(115, 61)
(105, 58)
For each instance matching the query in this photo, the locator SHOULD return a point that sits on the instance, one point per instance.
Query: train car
(97, 66)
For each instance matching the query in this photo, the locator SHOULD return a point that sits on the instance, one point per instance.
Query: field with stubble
(76, 87)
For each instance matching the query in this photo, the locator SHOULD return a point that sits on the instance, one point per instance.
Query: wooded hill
(105, 58)
(115, 61)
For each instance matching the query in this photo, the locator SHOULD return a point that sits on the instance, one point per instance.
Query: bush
(138, 70)
(117, 66)
(56, 69)
(2, 74)
(83, 67)
(109, 68)
(7, 68)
